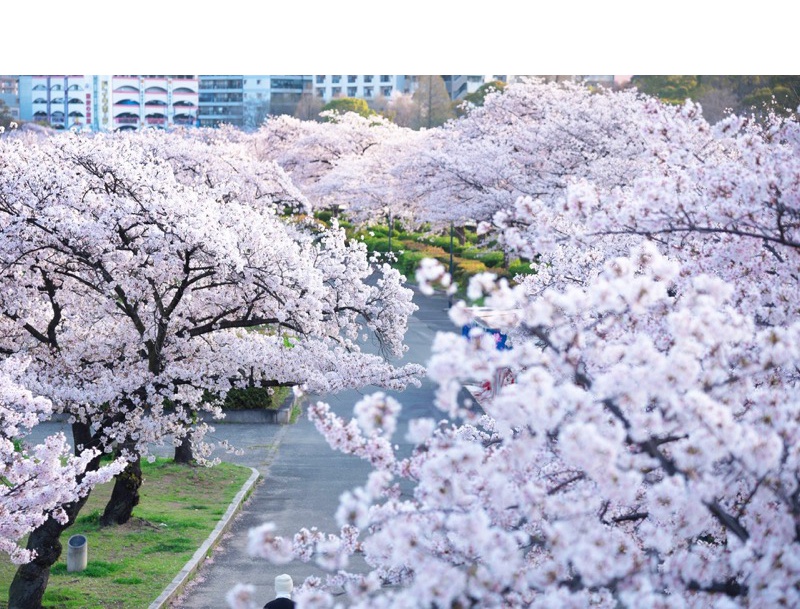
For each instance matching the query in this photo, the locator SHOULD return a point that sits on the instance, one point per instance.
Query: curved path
(302, 477)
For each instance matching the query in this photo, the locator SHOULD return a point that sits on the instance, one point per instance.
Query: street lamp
(389, 212)
(450, 296)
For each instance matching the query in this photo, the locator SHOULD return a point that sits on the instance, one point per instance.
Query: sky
(404, 37)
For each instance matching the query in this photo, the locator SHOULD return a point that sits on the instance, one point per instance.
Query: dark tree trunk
(183, 452)
(125, 495)
(30, 580)
(461, 234)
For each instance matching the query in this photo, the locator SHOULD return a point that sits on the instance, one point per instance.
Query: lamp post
(450, 296)
(390, 227)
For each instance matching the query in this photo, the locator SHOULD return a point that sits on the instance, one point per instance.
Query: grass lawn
(130, 565)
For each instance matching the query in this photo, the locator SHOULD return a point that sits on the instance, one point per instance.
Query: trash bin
(77, 553)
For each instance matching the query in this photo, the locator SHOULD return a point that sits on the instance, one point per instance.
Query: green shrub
(520, 267)
(254, 398)
(430, 251)
(379, 244)
(466, 267)
(408, 261)
(491, 258)
(443, 241)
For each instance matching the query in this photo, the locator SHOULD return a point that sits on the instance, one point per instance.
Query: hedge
(520, 267)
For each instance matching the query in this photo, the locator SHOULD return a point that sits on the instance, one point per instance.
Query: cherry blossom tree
(142, 273)
(646, 454)
(37, 479)
(308, 151)
(532, 139)
(639, 460)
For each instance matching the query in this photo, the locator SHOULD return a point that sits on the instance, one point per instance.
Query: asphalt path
(301, 476)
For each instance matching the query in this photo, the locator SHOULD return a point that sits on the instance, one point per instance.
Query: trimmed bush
(379, 244)
(520, 267)
(466, 267)
(491, 258)
(408, 261)
(254, 398)
(430, 251)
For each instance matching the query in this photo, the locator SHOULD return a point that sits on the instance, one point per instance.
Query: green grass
(130, 565)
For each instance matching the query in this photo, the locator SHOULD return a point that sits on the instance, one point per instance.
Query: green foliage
(465, 268)
(430, 251)
(478, 97)
(408, 261)
(520, 267)
(380, 230)
(492, 259)
(255, 398)
(742, 93)
(671, 89)
(348, 104)
(324, 216)
(443, 241)
(379, 244)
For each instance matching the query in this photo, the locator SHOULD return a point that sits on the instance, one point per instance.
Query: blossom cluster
(647, 453)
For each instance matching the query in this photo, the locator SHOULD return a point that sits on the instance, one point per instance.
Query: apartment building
(368, 87)
(244, 101)
(110, 102)
(9, 94)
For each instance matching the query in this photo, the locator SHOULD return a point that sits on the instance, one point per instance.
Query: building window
(320, 80)
(351, 78)
(368, 79)
(287, 83)
(386, 91)
(321, 92)
(351, 91)
(336, 91)
(367, 91)
(385, 78)
(336, 79)
(474, 78)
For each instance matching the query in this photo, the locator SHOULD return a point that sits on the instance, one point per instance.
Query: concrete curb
(179, 582)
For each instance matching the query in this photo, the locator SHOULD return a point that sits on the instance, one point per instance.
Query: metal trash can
(77, 553)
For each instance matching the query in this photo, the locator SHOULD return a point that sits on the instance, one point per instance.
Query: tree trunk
(183, 452)
(30, 580)
(461, 234)
(125, 495)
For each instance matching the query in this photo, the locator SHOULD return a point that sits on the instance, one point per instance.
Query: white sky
(401, 37)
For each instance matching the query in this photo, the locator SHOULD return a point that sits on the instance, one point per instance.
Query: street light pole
(390, 229)
(450, 296)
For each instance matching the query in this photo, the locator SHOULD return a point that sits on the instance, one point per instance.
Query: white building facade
(109, 102)
(367, 87)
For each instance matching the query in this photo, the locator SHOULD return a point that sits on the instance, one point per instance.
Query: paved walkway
(303, 477)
